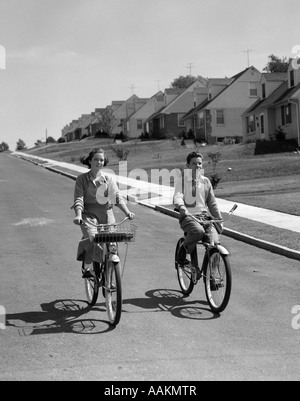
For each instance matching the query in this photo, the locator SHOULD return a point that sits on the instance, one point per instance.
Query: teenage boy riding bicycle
(194, 195)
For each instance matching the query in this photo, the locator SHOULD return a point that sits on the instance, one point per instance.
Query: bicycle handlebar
(211, 221)
(105, 225)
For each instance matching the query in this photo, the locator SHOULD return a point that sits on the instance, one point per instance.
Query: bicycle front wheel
(217, 280)
(92, 285)
(184, 273)
(113, 292)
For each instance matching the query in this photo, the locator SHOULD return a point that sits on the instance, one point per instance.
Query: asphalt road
(47, 332)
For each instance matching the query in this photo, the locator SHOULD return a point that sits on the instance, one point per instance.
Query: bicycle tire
(113, 292)
(184, 274)
(92, 285)
(217, 280)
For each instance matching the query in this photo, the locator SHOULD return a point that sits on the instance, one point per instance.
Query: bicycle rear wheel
(217, 280)
(92, 284)
(184, 273)
(113, 292)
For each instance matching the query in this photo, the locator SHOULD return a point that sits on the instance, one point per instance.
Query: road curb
(268, 246)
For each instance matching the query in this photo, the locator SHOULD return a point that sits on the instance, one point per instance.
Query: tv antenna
(248, 58)
(132, 87)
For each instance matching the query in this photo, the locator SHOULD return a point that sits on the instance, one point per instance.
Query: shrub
(278, 146)
(122, 153)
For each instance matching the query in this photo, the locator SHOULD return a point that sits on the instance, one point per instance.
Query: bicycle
(108, 274)
(215, 269)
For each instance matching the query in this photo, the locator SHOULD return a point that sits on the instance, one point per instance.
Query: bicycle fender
(222, 250)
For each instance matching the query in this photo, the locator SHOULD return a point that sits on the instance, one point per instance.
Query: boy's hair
(192, 155)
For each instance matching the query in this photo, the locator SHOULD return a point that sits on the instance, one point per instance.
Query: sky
(60, 59)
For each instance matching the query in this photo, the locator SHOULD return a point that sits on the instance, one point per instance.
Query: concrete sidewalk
(161, 196)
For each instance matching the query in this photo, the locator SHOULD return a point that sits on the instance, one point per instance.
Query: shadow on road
(60, 316)
(172, 301)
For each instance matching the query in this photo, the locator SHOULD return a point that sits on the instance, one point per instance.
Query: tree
(38, 143)
(277, 64)
(215, 158)
(184, 82)
(21, 145)
(106, 121)
(50, 139)
(3, 147)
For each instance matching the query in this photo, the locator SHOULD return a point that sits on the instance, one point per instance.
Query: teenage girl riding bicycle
(95, 195)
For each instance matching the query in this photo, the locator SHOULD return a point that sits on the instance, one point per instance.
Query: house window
(286, 114)
(139, 124)
(250, 124)
(253, 89)
(161, 122)
(220, 117)
(262, 124)
(292, 78)
(180, 122)
(201, 119)
(263, 91)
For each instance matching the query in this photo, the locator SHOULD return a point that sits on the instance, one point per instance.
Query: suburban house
(125, 110)
(69, 131)
(177, 102)
(79, 128)
(278, 106)
(133, 126)
(216, 114)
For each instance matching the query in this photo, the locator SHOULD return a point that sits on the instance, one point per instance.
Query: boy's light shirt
(184, 196)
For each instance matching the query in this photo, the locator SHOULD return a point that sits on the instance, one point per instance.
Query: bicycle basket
(118, 233)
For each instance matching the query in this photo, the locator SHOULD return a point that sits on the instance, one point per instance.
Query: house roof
(281, 94)
(206, 102)
(156, 114)
(274, 76)
(156, 95)
(195, 110)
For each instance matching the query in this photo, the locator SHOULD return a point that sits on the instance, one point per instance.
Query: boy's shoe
(181, 255)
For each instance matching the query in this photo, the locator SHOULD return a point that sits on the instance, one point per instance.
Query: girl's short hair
(192, 155)
(86, 160)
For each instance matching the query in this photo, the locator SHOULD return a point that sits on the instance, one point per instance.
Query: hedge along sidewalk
(276, 219)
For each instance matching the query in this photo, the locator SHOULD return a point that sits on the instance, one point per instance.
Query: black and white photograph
(149, 193)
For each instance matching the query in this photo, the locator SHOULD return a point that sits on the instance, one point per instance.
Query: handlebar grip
(234, 207)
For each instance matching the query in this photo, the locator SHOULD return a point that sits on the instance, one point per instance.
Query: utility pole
(158, 81)
(248, 51)
(190, 66)
(46, 136)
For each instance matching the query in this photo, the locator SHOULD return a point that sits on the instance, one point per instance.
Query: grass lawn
(269, 181)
